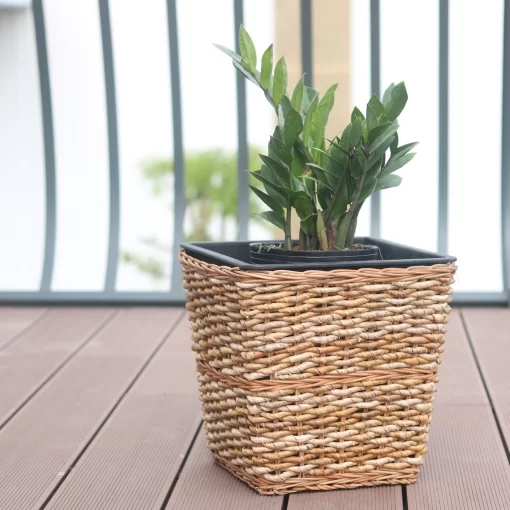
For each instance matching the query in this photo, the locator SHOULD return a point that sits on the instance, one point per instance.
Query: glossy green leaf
(356, 114)
(281, 172)
(389, 181)
(308, 120)
(367, 190)
(267, 68)
(293, 126)
(321, 115)
(375, 110)
(338, 145)
(297, 95)
(248, 51)
(377, 131)
(386, 135)
(387, 94)
(397, 101)
(232, 54)
(323, 196)
(307, 225)
(404, 149)
(396, 162)
(298, 164)
(246, 73)
(279, 193)
(342, 202)
(351, 135)
(296, 184)
(394, 144)
(270, 175)
(304, 206)
(273, 218)
(279, 81)
(309, 95)
(271, 202)
(374, 167)
(321, 182)
(280, 150)
(338, 165)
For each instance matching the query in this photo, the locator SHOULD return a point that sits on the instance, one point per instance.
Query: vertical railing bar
(49, 147)
(243, 197)
(179, 196)
(306, 42)
(505, 155)
(444, 57)
(375, 78)
(113, 147)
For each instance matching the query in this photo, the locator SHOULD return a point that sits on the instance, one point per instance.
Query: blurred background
(124, 132)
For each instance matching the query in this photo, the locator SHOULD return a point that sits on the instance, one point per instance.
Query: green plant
(325, 181)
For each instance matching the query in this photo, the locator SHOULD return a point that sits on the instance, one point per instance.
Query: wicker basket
(318, 380)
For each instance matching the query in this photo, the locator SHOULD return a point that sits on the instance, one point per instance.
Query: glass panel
(81, 143)
(409, 52)
(141, 56)
(22, 170)
(259, 20)
(209, 119)
(475, 142)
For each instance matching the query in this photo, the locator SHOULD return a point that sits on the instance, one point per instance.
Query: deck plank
(29, 361)
(203, 484)
(466, 468)
(489, 330)
(43, 441)
(15, 320)
(145, 439)
(371, 498)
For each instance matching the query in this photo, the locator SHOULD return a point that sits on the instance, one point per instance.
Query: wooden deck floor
(99, 410)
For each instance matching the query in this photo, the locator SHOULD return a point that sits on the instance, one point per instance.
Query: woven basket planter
(318, 380)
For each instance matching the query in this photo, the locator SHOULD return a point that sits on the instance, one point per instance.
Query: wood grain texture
(14, 321)
(372, 498)
(489, 330)
(466, 468)
(145, 439)
(40, 351)
(42, 442)
(203, 484)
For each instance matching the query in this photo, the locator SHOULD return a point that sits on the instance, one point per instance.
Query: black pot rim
(237, 254)
(366, 250)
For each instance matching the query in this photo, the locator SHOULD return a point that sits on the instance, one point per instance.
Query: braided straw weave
(317, 380)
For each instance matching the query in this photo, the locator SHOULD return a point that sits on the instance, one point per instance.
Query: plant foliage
(325, 181)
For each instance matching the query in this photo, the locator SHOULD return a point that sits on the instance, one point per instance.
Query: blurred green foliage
(211, 201)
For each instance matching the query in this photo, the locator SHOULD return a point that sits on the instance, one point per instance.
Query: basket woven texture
(317, 380)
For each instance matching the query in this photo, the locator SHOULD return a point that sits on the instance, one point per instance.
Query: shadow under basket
(321, 379)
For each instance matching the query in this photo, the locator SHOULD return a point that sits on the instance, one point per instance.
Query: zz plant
(325, 181)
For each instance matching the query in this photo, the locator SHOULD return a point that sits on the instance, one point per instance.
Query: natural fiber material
(317, 380)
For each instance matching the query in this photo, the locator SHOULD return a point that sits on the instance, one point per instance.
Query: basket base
(326, 483)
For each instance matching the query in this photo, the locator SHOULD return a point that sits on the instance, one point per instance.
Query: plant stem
(288, 233)
(343, 228)
(337, 191)
(321, 232)
(302, 240)
(352, 227)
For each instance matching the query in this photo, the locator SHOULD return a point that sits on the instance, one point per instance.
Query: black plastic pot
(266, 253)
(237, 254)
